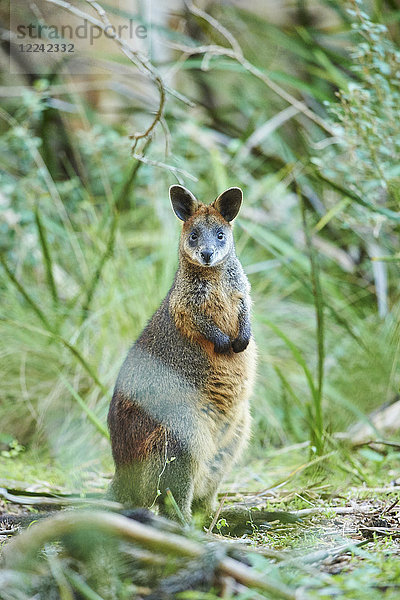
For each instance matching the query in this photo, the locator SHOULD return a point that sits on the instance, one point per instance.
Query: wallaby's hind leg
(135, 485)
(177, 477)
(145, 483)
(207, 505)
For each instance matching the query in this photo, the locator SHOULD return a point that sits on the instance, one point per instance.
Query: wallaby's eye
(193, 237)
(220, 235)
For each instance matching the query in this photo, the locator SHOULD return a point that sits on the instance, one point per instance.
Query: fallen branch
(338, 510)
(320, 555)
(59, 502)
(377, 490)
(18, 551)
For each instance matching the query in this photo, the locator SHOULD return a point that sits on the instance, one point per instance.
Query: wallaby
(179, 416)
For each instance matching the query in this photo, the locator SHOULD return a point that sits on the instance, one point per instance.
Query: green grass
(364, 566)
(89, 257)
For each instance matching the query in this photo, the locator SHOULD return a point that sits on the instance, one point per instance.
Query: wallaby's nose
(206, 255)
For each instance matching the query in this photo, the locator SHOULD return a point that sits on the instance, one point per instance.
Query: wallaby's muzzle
(206, 256)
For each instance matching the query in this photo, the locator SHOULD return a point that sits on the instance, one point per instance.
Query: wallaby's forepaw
(222, 344)
(240, 344)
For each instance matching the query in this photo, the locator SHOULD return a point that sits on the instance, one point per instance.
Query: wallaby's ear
(228, 203)
(183, 202)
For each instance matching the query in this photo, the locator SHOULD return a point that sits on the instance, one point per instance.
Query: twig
(215, 519)
(174, 170)
(235, 52)
(392, 531)
(320, 555)
(377, 490)
(18, 551)
(230, 38)
(383, 442)
(389, 508)
(338, 510)
(136, 57)
(9, 531)
(46, 255)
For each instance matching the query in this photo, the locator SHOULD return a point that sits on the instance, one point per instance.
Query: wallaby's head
(206, 237)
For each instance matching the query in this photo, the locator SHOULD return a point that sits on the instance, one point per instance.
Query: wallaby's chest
(220, 301)
(203, 308)
(222, 305)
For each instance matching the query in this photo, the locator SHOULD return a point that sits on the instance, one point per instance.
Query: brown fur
(179, 415)
(139, 434)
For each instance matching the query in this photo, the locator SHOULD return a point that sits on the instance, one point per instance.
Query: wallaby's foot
(241, 520)
(240, 344)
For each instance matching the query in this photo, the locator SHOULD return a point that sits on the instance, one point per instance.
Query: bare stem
(236, 53)
(136, 57)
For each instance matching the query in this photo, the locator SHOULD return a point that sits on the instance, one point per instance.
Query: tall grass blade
(25, 294)
(72, 349)
(288, 387)
(319, 310)
(97, 274)
(314, 420)
(46, 255)
(80, 585)
(294, 350)
(330, 214)
(256, 233)
(390, 214)
(92, 417)
(175, 506)
(289, 422)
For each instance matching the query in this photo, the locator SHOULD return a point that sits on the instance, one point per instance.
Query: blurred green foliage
(88, 248)
(88, 240)
(367, 115)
